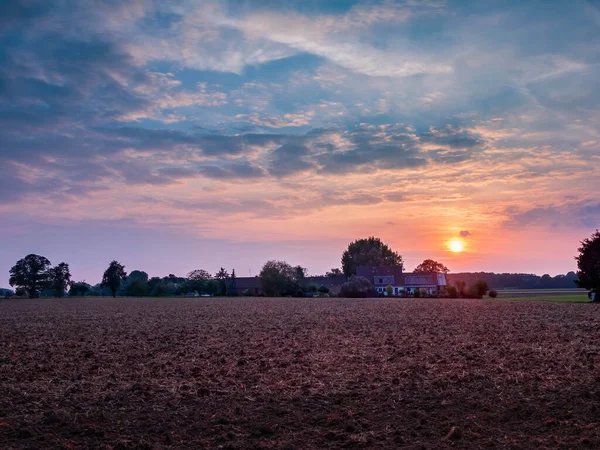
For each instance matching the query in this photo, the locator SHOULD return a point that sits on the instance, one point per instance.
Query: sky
(178, 135)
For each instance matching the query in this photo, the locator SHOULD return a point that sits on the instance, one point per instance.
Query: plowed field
(298, 374)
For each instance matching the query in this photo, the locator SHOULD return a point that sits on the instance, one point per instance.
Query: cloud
(465, 233)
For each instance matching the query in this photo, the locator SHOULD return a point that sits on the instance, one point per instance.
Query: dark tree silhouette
(222, 274)
(199, 275)
(368, 252)
(232, 285)
(429, 265)
(588, 263)
(30, 275)
(279, 278)
(114, 276)
(59, 279)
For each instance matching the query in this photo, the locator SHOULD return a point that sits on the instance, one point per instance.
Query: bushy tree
(451, 292)
(199, 275)
(114, 276)
(59, 279)
(389, 290)
(136, 284)
(368, 252)
(279, 278)
(588, 263)
(429, 265)
(323, 289)
(493, 294)
(30, 275)
(79, 289)
(478, 289)
(356, 287)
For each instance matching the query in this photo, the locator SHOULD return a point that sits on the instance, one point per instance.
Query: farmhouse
(379, 276)
(402, 283)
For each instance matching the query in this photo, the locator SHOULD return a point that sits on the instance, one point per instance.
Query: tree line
(34, 275)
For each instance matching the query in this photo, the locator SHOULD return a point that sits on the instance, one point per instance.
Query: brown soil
(298, 374)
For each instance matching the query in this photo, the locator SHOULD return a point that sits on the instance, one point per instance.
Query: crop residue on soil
(298, 373)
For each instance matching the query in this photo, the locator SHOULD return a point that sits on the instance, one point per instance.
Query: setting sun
(456, 245)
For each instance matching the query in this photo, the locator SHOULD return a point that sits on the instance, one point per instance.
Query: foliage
(323, 289)
(451, 292)
(114, 276)
(232, 285)
(516, 280)
(6, 293)
(59, 279)
(493, 293)
(199, 275)
(588, 263)
(30, 275)
(79, 289)
(280, 278)
(368, 252)
(136, 284)
(333, 272)
(389, 290)
(356, 287)
(417, 293)
(478, 289)
(222, 274)
(429, 266)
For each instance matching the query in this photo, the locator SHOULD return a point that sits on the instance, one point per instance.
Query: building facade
(402, 283)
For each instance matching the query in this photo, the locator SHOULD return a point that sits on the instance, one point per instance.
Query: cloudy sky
(176, 135)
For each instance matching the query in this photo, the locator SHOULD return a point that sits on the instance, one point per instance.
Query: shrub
(451, 292)
(493, 294)
(479, 289)
(323, 289)
(389, 290)
(356, 287)
(417, 293)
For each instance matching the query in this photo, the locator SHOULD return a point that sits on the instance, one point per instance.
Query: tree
(478, 289)
(588, 263)
(114, 276)
(368, 252)
(199, 275)
(429, 265)
(323, 289)
(59, 279)
(356, 287)
(389, 290)
(136, 284)
(79, 289)
(333, 272)
(280, 278)
(232, 285)
(30, 275)
(222, 274)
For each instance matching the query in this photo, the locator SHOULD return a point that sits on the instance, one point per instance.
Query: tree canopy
(199, 275)
(368, 252)
(280, 278)
(429, 265)
(588, 263)
(114, 276)
(30, 275)
(59, 279)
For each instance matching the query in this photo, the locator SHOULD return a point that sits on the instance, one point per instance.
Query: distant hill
(516, 280)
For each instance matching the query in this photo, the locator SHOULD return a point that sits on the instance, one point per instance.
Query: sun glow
(456, 245)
